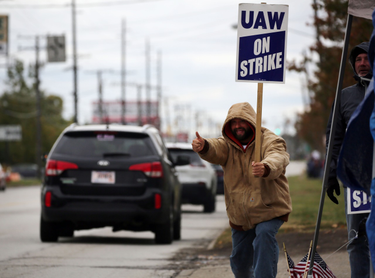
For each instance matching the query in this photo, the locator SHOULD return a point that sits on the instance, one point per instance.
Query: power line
(113, 3)
(59, 6)
(168, 17)
(301, 33)
(36, 6)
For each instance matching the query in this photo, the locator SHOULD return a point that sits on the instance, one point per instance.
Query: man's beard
(245, 136)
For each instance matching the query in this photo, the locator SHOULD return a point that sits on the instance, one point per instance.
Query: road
(295, 168)
(97, 252)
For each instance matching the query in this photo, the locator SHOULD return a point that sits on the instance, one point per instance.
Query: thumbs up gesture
(198, 143)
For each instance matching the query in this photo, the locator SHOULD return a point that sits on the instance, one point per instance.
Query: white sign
(56, 49)
(358, 202)
(261, 43)
(10, 133)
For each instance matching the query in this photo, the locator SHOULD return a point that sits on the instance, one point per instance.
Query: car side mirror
(182, 160)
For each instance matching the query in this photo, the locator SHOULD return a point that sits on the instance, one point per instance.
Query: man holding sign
(256, 192)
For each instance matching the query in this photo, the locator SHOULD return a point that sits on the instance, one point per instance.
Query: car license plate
(102, 177)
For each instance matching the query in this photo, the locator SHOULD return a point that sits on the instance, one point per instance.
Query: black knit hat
(358, 49)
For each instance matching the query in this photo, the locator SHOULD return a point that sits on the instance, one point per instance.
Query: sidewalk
(338, 263)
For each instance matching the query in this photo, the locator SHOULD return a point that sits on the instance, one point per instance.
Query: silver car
(198, 179)
(2, 178)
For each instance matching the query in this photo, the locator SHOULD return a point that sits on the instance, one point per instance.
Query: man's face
(362, 65)
(241, 130)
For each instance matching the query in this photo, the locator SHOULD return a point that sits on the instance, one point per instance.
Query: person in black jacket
(351, 97)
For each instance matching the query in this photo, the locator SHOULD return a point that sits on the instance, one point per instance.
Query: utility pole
(139, 101)
(75, 79)
(123, 76)
(100, 87)
(58, 48)
(139, 106)
(103, 113)
(38, 110)
(38, 136)
(167, 117)
(38, 129)
(147, 83)
(159, 89)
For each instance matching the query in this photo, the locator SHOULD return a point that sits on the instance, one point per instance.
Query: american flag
(290, 264)
(320, 269)
(290, 261)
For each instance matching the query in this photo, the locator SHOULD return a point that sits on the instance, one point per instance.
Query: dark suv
(111, 175)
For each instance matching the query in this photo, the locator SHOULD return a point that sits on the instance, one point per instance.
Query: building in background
(136, 113)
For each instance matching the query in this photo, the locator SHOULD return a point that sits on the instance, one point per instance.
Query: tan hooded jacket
(250, 200)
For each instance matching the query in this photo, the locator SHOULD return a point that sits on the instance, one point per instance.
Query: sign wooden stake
(256, 60)
(258, 127)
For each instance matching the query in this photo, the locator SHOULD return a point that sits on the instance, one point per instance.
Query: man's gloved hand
(333, 185)
(362, 227)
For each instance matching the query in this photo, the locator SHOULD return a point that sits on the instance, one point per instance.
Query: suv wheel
(48, 231)
(164, 232)
(177, 227)
(66, 229)
(210, 204)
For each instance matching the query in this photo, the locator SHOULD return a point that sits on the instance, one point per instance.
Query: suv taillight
(48, 199)
(152, 169)
(56, 167)
(157, 199)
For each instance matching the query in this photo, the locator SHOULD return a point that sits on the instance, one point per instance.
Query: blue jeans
(358, 249)
(255, 253)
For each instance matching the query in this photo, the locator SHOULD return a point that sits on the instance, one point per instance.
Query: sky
(193, 40)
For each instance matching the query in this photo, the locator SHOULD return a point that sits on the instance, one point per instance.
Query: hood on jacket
(243, 111)
(359, 49)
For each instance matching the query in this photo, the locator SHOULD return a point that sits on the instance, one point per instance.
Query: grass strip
(305, 194)
(24, 182)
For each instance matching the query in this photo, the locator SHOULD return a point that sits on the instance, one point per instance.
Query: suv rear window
(105, 144)
(195, 160)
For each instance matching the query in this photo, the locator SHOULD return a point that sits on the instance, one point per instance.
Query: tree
(18, 107)
(330, 22)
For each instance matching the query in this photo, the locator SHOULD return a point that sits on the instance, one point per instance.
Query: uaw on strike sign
(261, 43)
